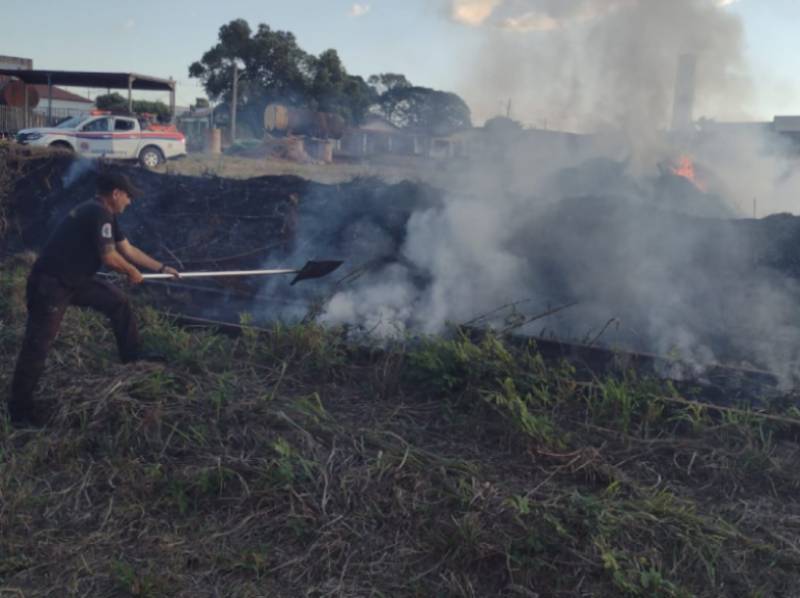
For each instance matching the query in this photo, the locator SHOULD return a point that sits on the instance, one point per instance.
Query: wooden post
(130, 93)
(172, 100)
(49, 100)
(233, 103)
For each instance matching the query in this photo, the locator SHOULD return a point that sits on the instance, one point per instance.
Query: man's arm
(115, 261)
(140, 258)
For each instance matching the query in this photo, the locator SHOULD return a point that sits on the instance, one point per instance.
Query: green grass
(288, 463)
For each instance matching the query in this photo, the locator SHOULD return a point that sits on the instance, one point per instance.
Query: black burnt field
(212, 223)
(648, 266)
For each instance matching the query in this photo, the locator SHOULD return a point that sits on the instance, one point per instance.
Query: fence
(12, 118)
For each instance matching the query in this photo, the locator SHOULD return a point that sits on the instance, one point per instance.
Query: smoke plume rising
(599, 220)
(581, 65)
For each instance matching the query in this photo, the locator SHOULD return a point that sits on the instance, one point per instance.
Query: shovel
(312, 269)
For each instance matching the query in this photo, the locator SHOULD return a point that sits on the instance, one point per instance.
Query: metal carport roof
(103, 80)
(91, 79)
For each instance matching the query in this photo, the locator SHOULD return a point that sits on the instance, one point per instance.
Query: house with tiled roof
(65, 103)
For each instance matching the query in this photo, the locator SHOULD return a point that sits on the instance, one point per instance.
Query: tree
(275, 69)
(111, 101)
(333, 90)
(438, 112)
(117, 104)
(388, 81)
(361, 97)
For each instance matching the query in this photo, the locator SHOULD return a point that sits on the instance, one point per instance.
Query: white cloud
(359, 10)
(540, 15)
(531, 22)
(543, 21)
(129, 24)
(533, 15)
(473, 12)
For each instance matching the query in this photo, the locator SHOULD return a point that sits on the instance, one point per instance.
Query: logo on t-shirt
(106, 230)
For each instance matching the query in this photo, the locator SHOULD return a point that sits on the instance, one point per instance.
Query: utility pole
(233, 104)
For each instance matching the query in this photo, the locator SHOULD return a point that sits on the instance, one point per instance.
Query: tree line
(273, 68)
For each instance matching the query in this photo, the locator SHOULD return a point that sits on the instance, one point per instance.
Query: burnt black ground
(643, 253)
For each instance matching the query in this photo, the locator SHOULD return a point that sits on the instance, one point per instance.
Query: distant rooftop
(787, 124)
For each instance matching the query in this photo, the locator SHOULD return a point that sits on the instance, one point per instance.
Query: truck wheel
(150, 157)
(62, 146)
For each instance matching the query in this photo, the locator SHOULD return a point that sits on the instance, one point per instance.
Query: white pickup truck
(110, 136)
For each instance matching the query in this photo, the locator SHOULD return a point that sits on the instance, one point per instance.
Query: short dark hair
(108, 181)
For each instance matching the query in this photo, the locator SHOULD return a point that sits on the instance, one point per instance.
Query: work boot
(24, 415)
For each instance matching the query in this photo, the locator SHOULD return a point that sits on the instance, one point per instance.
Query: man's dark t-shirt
(73, 252)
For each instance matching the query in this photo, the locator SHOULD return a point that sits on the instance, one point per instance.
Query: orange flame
(685, 168)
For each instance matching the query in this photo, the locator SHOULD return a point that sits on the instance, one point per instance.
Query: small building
(460, 144)
(787, 125)
(15, 62)
(65, 103)
(789, 128)
(768, 136)
(376, 136)
(196, 124)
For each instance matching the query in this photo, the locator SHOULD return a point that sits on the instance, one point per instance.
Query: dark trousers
(47, 300)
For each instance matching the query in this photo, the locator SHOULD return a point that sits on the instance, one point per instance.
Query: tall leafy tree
(438, 112)
(273, 68)
(388, 81)
(333, 90)
(118, 104)
(361, 97)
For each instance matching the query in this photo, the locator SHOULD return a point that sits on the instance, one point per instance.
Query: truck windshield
(70, 123)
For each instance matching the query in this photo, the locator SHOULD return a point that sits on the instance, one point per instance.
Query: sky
(432, 42)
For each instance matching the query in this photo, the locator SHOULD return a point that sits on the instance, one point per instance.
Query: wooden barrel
(301, 121)
(13, 94)
(276, 117)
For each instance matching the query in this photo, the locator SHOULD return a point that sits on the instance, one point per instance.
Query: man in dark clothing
(64, 274)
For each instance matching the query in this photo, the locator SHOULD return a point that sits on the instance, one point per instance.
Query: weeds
(284, 462)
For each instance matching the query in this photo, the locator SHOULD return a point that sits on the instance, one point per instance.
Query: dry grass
(390, 171)
(289, 464)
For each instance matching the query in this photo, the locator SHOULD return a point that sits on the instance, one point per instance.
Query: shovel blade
(316, 269)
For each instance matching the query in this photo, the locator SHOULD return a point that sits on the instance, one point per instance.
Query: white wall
(63, 106)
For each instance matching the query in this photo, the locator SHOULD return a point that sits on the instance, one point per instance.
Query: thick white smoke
(598, 218)
(584, 64)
